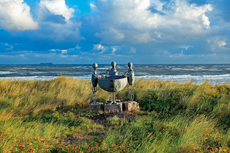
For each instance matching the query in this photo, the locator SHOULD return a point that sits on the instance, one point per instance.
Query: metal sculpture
(113, 82)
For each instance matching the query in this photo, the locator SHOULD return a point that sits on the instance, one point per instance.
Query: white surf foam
(213, 79)
(6, 72)
(87, 77)
(103, 68)
(27, 68)
(29, 78)
(194, 69)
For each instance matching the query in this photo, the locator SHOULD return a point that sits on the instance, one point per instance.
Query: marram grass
(38, 116)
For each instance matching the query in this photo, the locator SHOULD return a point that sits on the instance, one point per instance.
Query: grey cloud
(45, 15)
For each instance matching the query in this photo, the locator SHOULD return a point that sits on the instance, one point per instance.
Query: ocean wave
(42, 78)
(29, 78)
(192, 77)
(83, 67)
(103, 68)
(121, 67)
(195, 69)
(141, 73)
(38, 72)
(5, 72)
(27, 68)
(213, 79)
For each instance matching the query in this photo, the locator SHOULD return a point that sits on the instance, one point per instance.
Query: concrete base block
(113, 107)
(131, 106)
(96, 106)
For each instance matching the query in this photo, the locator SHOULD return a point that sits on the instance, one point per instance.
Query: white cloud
(132, 50)
(55, 24)
(64, 56)
(167, 55)
(157, 4)
(206, 22)
(192, 14)
(222, 43)
(15, 15)
(74, 56)
(9, 46)
(112, 36)
(113, 50)
(57, 33)
(218, 43)
(132, 21)
(44, 55)
(58, 7)
(98, 47)
(186, 47)
(64, 51)
(53, 50)
(92, 6)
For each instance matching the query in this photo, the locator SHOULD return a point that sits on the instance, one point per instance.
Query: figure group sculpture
(113, 82)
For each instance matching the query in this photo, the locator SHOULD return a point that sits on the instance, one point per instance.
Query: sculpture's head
(113, 64)
(130, 65)
(94, 66)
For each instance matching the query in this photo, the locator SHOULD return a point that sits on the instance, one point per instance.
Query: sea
(197, 73)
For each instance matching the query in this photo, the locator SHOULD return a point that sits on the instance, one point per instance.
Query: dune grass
(38, 116)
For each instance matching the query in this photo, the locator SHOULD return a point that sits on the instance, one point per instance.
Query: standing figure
(130, 74)
(113, 70)
(94, 81)
(131, 79)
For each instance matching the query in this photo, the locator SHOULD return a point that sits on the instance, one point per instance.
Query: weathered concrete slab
(96, 107)
(113, 107)
(131, 106)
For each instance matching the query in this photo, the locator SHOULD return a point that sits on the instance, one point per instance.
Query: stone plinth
(96, 106)
(113, 107)
(131, 106)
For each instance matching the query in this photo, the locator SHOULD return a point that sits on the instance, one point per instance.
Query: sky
(101, 31)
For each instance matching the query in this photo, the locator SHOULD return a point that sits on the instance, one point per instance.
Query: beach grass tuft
(53, 116)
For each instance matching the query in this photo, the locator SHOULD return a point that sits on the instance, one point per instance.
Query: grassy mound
(53, 116)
